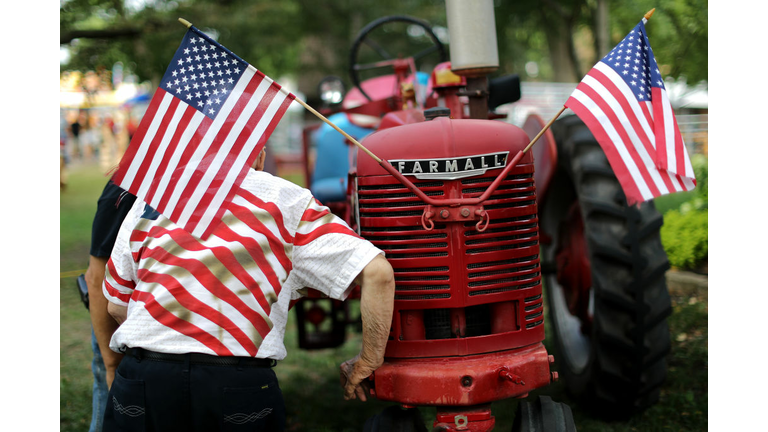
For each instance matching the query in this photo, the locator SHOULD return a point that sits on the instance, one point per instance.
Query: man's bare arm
(377, 282)
(103, 323)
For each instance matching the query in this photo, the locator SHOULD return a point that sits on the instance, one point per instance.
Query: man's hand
(353, 377)
(117, 312)
(110, 377)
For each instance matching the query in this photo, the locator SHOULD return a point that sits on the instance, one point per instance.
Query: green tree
(300, 37)
(566, 37)
(677, 31)
(310, 39)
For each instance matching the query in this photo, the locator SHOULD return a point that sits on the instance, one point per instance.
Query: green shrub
(687, 201)
(685, 230)
(685, 237)
(699, 163)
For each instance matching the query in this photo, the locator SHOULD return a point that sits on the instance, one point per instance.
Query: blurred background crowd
(99, 113)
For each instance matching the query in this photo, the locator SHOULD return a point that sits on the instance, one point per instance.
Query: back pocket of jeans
(127, 403)
(252, 408)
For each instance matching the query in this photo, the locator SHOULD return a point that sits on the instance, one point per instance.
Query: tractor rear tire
(615, 362)
(543, 415)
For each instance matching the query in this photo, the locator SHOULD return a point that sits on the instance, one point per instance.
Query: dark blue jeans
(100, 389)
(150, 395)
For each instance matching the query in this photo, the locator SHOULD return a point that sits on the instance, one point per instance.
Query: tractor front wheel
(543, 415)
(396, 419)
(605, 281)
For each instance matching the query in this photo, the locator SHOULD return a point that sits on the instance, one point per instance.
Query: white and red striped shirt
(229, 294)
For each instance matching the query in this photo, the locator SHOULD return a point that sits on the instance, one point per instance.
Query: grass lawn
(309, 379)
(77, 205)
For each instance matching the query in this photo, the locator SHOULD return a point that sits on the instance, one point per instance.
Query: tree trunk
(602, 33)
(559, 42)
(67, 36)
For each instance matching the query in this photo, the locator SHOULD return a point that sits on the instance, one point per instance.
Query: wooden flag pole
(536, 138)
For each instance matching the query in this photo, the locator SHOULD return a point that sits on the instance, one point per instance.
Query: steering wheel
(380, 57)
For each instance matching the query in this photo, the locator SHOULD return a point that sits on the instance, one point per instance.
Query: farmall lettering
(451, 168)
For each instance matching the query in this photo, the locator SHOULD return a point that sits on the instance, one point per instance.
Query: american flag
(203, 129)
(623, 101)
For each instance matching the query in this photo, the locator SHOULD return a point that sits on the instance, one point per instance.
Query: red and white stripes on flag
(203, 129)
(622, 100)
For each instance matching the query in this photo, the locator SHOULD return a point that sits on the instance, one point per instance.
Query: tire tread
(630, 334)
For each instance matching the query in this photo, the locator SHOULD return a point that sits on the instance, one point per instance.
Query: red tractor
(476, 230)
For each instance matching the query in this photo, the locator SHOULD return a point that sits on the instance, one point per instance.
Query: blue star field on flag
(202, 74)
(633, 60)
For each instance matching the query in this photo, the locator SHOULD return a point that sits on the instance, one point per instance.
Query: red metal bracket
(466, 419)
(455, 214)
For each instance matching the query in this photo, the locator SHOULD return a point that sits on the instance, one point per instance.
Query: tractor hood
(444, 148)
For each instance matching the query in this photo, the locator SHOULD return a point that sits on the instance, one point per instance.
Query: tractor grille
(390, 218)
(512, 233)
(453, 280)
(507, 251)
(534, 311)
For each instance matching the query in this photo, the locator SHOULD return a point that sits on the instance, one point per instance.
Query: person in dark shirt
(113, 204)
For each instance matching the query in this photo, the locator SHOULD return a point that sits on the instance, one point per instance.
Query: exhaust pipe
(474, 50)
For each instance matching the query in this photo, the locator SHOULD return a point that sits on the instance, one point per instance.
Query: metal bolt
(505, 374)
(466, 381)
(444, 214)
(465, 212)
(461, 422)
(551, 359)
(555, 376)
